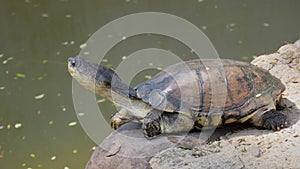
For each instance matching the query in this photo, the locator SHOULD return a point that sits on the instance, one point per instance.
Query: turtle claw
(151, 125)
(116, 122)
(274, 120)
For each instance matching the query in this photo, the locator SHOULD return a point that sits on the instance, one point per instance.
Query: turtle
(189, 94)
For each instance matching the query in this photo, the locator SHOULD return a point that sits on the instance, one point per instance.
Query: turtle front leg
(157, 122)
(120, 118)
(271, 119)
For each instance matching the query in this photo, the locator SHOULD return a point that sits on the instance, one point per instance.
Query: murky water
(38, 124)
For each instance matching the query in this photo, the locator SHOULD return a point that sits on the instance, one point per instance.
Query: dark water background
(37, 120)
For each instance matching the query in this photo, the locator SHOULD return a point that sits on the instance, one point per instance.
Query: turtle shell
(235, 88)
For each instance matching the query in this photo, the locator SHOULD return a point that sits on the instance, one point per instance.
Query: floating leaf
(68, 16)
(20, 75)
(266, 24)
(23, 164)
(148, 77)
(50, 122)
(101, 100)
(44, 61)
(32, 155)
(245, 57)
(10, 58)
(71, 124)
(39, 96)
(40, 78)
(81, 114)
(18, 125)
(53, 158)
(74, 151)
(82, 46)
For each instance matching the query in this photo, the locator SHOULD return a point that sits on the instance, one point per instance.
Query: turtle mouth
(71, 65)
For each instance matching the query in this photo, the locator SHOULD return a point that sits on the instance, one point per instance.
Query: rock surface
(253, 148)
(237, 148)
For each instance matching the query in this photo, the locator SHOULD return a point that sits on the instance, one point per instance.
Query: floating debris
(71, 124)
(204, 27)
(10, 58)
(101, 100)
(65, 43)
(32, 155)
(124, 57)
(124, 37)
(23, 164)
(151, 64)
(1, 55)
(230, 26)
(45, 15)
(148, 77)
(74, 151)
(40, 78)
(63, 108)
(104, 60)
(18, 125)
(8, 126)
(82, 46)
(68, 16)
(50, 122)
(1, 127)
(53, 158)
(66, 167)
(20, 75)
(72, 42)
(38, 97)
(81, 114)
(58, 94)
(2, 87)
(245, 57)
(266, 24)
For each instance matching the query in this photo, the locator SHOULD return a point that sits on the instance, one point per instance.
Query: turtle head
(97, 78)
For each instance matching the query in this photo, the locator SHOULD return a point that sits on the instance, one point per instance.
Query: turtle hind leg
(272, 120)
(157, 122)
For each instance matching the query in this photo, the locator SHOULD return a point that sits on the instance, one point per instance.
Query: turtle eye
(72, 62)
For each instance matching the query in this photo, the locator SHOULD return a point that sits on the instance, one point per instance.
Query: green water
(37, 116)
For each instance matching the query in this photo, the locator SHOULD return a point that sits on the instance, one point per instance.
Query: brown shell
(234, 87)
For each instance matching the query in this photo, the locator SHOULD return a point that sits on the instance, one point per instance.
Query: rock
(254, 150)
(128, 148)
(178, 158)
